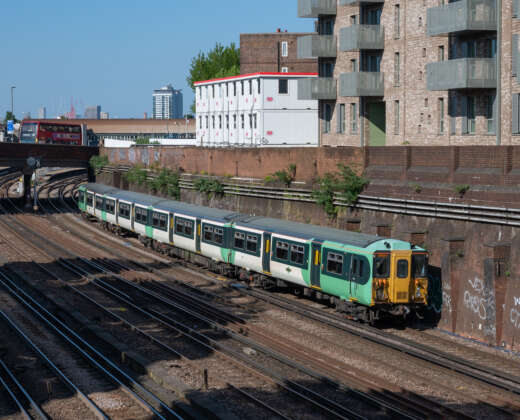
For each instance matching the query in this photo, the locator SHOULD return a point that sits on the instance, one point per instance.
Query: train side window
(81, 196)
(239, 240)
(208, 233)
(155, 219)
(179, 225)
(219, 235)
(163, 222)
(90, 200)
(141, 215)
(252, 243)
(99, 203)
(188, 228)
(334, 263)
(110, 206)
(402, 269)
(282, 250)
(297, 254)
(124, 210)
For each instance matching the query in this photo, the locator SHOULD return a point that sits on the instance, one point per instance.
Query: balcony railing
(462, 73)
(321, 88)
(516, 9)
(354, 2)
(462, 16)
(361, 84)
(315, 8)
(312, 46)
(362, 37)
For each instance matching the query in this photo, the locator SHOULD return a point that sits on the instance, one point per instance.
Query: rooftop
(255, 76)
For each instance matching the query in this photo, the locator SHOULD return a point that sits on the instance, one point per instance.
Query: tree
(9, 116)
(219, 62)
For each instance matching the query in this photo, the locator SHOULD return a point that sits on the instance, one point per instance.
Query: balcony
(361, 84)
(315, 8)
(356, 2)
(462, 73)
(362, 37)
(312, 46)
(463, 16)
(315, 89)
(516, 9)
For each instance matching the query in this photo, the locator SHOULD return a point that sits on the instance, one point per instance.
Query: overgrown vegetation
(167, 183)
(209, 186)
(417, 188)
(142, 140)
(285, 176)
(461, 189)
(137, 175)
(97, 163)
(346, 183)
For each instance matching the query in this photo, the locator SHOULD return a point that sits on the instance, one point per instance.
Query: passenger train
(365, 276)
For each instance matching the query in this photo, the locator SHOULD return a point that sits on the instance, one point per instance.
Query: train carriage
(364, 275)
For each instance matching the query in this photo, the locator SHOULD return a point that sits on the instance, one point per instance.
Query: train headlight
(418, 292)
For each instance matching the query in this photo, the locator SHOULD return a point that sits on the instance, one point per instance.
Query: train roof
(284, 227)
(306, 231)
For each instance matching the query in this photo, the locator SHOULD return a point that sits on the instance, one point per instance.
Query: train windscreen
(28, 133)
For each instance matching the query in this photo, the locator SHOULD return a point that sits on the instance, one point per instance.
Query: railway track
(416, 399)
(305, 308)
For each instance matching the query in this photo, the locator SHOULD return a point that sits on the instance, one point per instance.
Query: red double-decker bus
(51, 133)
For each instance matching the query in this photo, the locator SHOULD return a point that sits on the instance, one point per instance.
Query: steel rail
(66, 333)
(83, 397)
(15, 399)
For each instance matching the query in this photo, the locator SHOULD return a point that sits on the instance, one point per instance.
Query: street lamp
(12, 100)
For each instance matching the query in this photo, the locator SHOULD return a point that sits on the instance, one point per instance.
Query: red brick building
(273, 52)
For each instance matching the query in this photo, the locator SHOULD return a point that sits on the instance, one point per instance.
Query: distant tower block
(167, 103)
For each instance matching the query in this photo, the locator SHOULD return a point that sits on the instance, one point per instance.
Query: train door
(132, 216)
(197, 235)
(266, 258)
(359, 269)
(172, 228)
(315, 264)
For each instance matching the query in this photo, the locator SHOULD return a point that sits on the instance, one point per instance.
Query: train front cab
(400, 280)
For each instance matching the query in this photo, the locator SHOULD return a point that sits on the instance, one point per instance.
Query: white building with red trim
(251, 110)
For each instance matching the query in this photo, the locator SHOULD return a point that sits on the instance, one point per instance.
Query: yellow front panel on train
(400, 280)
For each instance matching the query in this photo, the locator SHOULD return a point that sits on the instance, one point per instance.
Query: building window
(259, 87)
(426, 102)
(327, 116)
(226, 86)
(234, 89)
(420, 75)
(424, 52)
(242, 121)
(255, 121)
(250, 87)
(490, 101)
(250, 121)
(353, 65)
(397, 21)
(285, 49)
(220, 122)
(213, 91)
(213, 121)
(207, 122)
(283, 86)
(200, 122)
(242, 87)
(396, 117)
(341, 119)
(441, 115)
(285, 70)
(353, 118)
(471, 112)
(353, 20)
(420, 21)
(397, 69)
(235, 121)
(440, 53)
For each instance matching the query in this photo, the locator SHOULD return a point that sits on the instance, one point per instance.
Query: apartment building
(255, 110)
(274, 53)
(167, 103)
(420, 72)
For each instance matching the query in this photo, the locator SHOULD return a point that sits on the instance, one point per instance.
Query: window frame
(140, 210)
(288, 261)
(102, 206)
(90, 199)
(397, 268)
(113, 206)
(284, 49)
(286, 82)
(124, 215)
(183, 221)
(346, 263)
(212, 240)
(160, 215)
(246, 233)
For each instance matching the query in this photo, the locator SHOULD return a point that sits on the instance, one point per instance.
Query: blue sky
(115, 52)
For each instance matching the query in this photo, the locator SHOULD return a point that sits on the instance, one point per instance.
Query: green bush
(285, 176)
(137, 175)
(97, 163)
(142, 140)
(166, 182)
(461, 189)
(209, 186)
(417, 188)
(345, 182)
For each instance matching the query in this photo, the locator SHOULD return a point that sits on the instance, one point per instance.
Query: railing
(354, 2)
(462, 73)
(361, 84)
(314, 8)
(362, 37)
(465, 212)
(462, 16)
(314, 89)
(312, 46)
